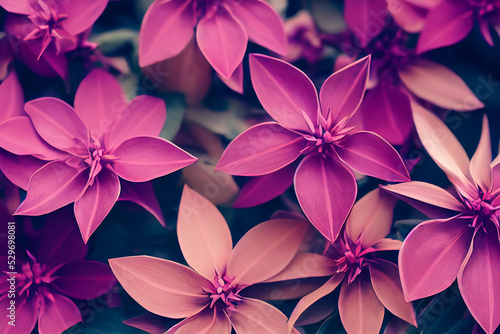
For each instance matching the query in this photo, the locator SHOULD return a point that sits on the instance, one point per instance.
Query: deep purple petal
(142, 193)
(366, 18)
(11, 93)
(81, 14)
(58, 315)
(19, 168)
(28, 311)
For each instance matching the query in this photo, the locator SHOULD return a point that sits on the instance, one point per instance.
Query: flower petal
(58, 315)
(439, 85)
(264, 148)
(432, 255)
(95, 204)
(408, 14)
(235, 81)
(263, 25)
(256, 316)
(162, 287)
(143, 194)
(58, 124)
(265, 250)
(144, 158)
(166, 30)
(326, 190)
(28, 311)
(480, 163)
(81, 14)
(305, 265)
(387, 245)
(387, 286)
(143, 116)
(223, 41)
(478, 280)
(150, 323)
(363, 18)
(22, 7)
(52, 187)
(19, 168)
(285, 92)
(360, 309)
(12, 96)
(343, 91)
(203, 235)
(209, 321)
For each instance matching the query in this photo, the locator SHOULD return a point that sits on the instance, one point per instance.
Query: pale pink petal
(203, 235)
(144, 158)
(342, 92)
(28, 311)
(263, 25)
(58, 315)
(12, 96)
(371, 217)
(265, 250)
(408, 14)
(439, 85)
(285, 92)
(208, 321)
(98, 101)
(166, 30)
(326, 190)
(480, 163)
(81, 14)
(235, 81)
(261, 189)
(447, 23)
(372, 155)
(162, 287)
(52, 187)
(305, 265)
(366, 18)
(432, 255)
(256, 316)
(143, 116)
(17, 6)
(95, 204)
(142, 193)
(223, 41)
(19, 168)
(427, 198)
(478, 280)
(150, 323)
(360, 309)
(484, 27)
(264, 148)
(387, 245)
(387, 286)
(308, 300)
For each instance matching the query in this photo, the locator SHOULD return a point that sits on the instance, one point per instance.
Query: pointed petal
(432, 255)
(28, 311)
(81, 14)
(447, 23)
(95, 204)
(19, 168)
(371, 217)
(305, 265)
(12, 96)
(143, 116)
(98, 101)
(265, 250)
(480, 163)
(162, 287)
(264, 148)
(223, 41)
(429, 199)
(150, 323)
(142, 193)
(308, 300)
(144, 158)
(58, 124)
(372, 155)
(256, 316)
(326, 190)
(343, 91)
(362, 16)
(263, 25)
(52, 187)
(439, 85)
(387, 245)
(208, 321)
(58, 315)
(166, 30)
(444, 148)
(478, 280)
(261, 189)
(284, 91)
(235, 81)
(203, 235)
(387, 286)
(360, 309)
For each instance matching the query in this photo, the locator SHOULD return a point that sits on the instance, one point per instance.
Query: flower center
(226, 294)
(351, 257)
(204, 8)
(34, 277)
(46, 17)
(481, 211)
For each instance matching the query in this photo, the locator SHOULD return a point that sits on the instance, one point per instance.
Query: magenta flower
(464, 244)
(318, 129)
(303, 38)
(223, 29)
(210, 296)
(369, 283)
(50, 273)
(89, 148)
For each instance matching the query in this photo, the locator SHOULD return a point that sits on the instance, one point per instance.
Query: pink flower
(464, 243)
(90, 148)
(223, 29)
(303, 38)
(50, 271)
(369, 283)
(319, 129)
(211, 297)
